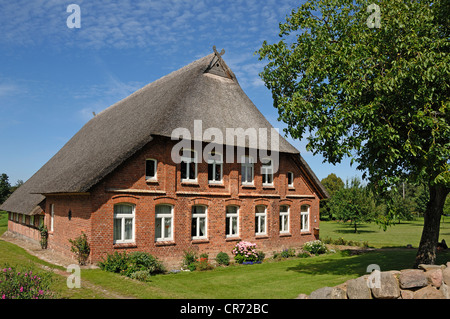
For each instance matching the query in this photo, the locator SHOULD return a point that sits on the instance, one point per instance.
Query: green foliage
(354, 203)
(332, 184)
(134, 265)
(245, 251)
(223, 259)
(378, 95)
(24, 284)
(5, 187)
(80, 247)
(43, 232)
(315, 247)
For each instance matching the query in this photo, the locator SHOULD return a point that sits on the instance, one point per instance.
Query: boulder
(328, 293)
(407, 294)
(358, 289)
(412, 278)
(428, 293)
(446, 275)
(388, 287)
(434, 277)
(445, 291)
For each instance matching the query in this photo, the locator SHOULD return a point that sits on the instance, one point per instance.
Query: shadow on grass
(350, 229)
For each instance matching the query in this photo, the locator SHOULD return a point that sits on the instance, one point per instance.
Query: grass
(270, 280)
(398, 235)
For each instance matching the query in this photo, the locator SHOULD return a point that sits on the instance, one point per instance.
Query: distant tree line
(356, 203)
(5, 187)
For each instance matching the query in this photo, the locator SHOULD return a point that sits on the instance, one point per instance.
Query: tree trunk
(426, 253)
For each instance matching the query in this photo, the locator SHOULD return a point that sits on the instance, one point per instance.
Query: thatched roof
(205, 89)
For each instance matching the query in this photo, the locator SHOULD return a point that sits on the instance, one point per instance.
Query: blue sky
(52, 77)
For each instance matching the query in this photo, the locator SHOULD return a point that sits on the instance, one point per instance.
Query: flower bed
(245, 252)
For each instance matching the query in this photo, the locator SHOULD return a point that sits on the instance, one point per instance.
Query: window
(232, 221)
(23, 218)
(305, 218)
(123, 223)
(267, 172)
(198, 229)
(31, 220)
(16, 215)
(214, 168)
(247, 170)
(188, 166)
(284, 219)
(52, 216)
(164, 222)
(150, 169)
(290, 178)
(260, 220)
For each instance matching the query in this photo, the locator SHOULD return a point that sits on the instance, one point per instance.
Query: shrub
(24, 285)
(189, 258)
(81, 248)
(245, 251)
(315, 247)
(128, 265)
(223, 259)
(202, 263)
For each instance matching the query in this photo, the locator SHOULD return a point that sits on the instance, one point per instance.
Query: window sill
(152, 181)
(200, 241)
(165, 243)
(248, 186)
(268, 187)
(220, 185)
(264, 236)
(285, 235)
(305, 232)
(232, 239)
(189, 183)
(124, 245)
(291, 188)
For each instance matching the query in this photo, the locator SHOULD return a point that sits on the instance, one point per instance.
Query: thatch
(205, 89)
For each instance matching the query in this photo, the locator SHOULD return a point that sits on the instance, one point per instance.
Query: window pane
(283, 209)
(234, 230)
(123, 209)
(210, 172)
(158, 228)
(285, 223)
(128, 228)
(231, 210)
(192, 170)
(218, 176)
(263, 224)
(183, 170)
(227, 226)
(202, 227)
(290, 178)
(244, 174)
(150, 169)
(249, 174)
(167, 227)
(194, 227)
(117, 228)
(260, 209)
(163, 209)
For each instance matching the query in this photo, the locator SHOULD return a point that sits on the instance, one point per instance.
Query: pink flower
(21, 289)
(3, 297)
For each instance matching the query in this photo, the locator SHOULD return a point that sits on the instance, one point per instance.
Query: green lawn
(270, 280)
(398, 235)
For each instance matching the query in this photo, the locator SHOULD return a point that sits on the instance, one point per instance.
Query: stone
(328, 293)
(302, 296)
(446, 274)
(388, 287)
(412, 278)
(407, 294)
(445, 291)
(434, 277)
(428, 293)
(358, 289)
(429, 267)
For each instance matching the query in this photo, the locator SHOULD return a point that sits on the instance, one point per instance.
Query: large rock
(428, 293)
(328, 293)
(435, 277)
(446, 275)
(358, 289)
(412, 278)
(388, 287)
(445, 291)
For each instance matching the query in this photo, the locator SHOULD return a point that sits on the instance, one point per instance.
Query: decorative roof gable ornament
(218, 65)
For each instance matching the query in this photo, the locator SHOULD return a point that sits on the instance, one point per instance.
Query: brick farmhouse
(118, 180)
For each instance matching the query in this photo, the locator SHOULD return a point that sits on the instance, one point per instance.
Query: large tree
(370, 80)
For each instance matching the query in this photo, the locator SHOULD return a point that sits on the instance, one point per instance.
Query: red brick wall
(131, 175)
(93, 213)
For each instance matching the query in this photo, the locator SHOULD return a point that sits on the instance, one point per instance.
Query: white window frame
(292, 179)
(229, 216)
(196, 218)
(155, 177)
(284, 216)
(305, 215)
(52, 217)
(163, 217)
(214, 162)
(122, 218)
(267, 171)
(258, 218)
(247, 163)
(188, 160)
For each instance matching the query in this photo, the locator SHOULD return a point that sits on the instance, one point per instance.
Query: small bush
(223, 259)
(189, 258)
(315, 247)
(245, 251)
(16, 284)
(129, 264)
(81, 248)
